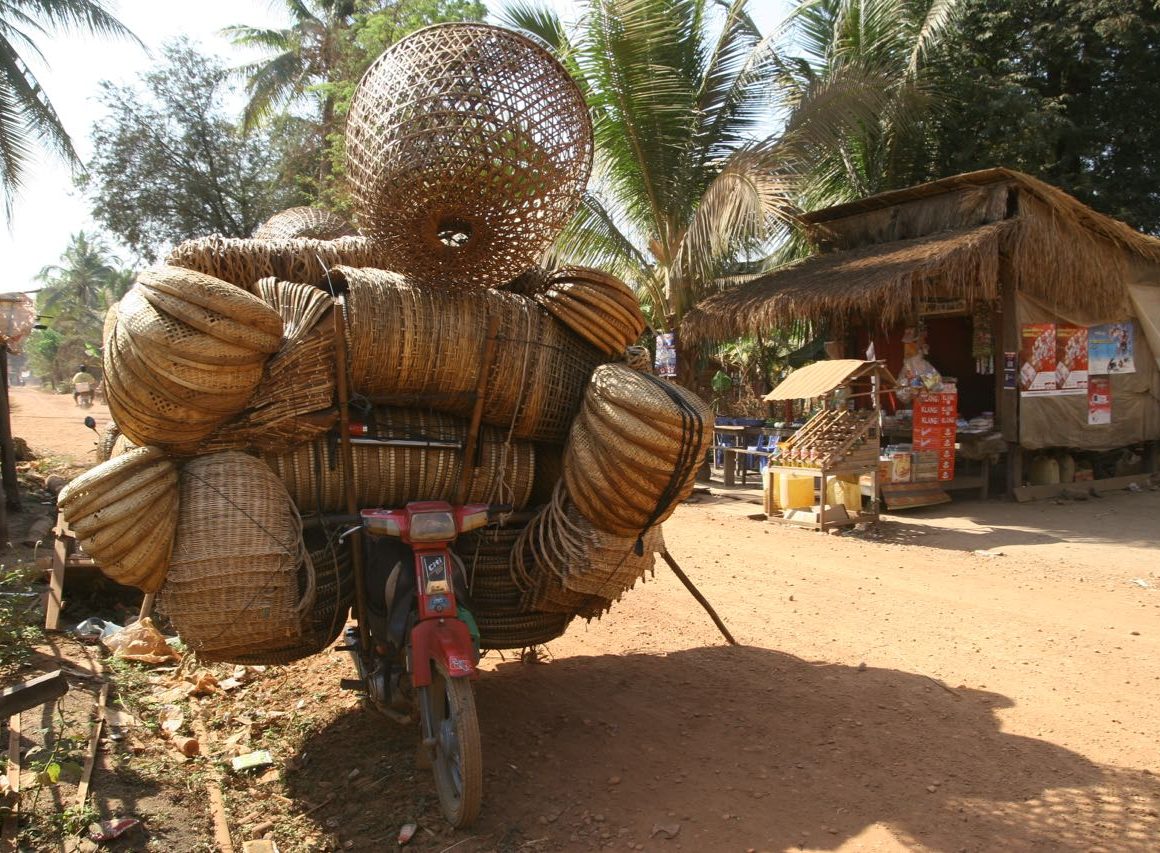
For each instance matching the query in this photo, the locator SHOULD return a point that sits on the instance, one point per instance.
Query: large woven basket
(564, 564)
(486, 556)
(233, 589)
(634, 450)
(296, 391)
(520, 630)
(312, 223)
(394, 475)
(468, 148)
(124, 513)
(333, 596)
(422, 346)
(246, 262)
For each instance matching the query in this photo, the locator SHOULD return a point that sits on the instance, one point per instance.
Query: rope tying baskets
(634, 450)
(310, 222)
(233, 587)
(124, 512)
(468, 147)
(428, 467)
(421, 346)
(566, 565)
(246, 262)
(598, 307)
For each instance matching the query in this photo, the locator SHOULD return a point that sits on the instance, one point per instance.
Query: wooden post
(56, 581)
(467, 468)
(7, 451)
(347, 450)
(29, 694)
(696, 593)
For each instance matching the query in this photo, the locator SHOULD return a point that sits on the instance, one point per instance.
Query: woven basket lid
(468, 148)
(98, 478)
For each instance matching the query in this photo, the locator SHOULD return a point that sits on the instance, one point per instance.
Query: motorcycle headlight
(433, 527)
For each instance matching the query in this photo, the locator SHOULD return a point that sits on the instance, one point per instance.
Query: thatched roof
(955, 237)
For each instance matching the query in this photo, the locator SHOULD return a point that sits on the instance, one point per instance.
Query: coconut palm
(84, 284)
(894, 37)
(304, 55)
(689, 185)
(27, 116)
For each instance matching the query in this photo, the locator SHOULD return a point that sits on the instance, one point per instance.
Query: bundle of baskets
(231, 369)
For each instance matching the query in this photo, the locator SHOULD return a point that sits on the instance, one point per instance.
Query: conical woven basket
(468, 147)
(246, 262)
(421, 346)
(394, 475)
(634, 450)
(313, 223)
(233, 586)
(597, 306)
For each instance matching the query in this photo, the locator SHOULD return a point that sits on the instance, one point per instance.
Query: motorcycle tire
(456, 757)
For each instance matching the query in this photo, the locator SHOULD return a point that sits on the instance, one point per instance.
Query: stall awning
(822, 377)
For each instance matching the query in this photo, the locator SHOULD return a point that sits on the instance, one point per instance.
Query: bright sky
(49, 209)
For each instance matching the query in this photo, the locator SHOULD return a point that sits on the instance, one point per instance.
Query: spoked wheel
(456, 756)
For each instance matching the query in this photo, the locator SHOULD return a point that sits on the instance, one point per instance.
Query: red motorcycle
(424, 643)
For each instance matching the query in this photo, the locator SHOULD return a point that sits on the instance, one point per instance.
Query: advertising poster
(1010, 366)
(666, 361)
(1037, 359)
(1071, 359)
(1099, 391)
(1112, 348)
(935, 417)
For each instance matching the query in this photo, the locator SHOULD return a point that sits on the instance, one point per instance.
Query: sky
(49, 209)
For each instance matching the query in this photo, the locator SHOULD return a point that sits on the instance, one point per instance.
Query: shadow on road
(743, 748)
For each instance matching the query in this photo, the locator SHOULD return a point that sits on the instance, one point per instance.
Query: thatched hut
(979, 259)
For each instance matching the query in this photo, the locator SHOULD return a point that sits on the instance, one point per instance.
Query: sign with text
(935, 416)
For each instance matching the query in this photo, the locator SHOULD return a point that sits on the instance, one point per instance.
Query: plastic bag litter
(93, 629)
(142, 642)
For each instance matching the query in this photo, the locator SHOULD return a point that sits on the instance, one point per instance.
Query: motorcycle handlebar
(494, 512)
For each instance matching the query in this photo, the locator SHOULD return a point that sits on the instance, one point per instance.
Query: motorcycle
(84, 395)
(423, 646)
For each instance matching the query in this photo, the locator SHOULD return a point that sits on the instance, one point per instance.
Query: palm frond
(83, 15)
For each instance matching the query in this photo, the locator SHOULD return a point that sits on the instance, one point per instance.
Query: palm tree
(896, 39)
(26, 114)
(79, 290)
(690, 187)
(304, 55)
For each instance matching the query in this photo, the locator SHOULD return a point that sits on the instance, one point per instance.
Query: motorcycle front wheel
(448, 716)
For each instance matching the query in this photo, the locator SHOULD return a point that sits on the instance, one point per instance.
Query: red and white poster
(1037, 359)
(1099, 391)
(1071, 359)
(935, 416)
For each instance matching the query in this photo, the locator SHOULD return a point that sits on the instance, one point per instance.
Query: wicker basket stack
(469, 147)
(124, 514)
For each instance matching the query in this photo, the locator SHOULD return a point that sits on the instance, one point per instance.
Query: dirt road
(54, 424)
(893, 693)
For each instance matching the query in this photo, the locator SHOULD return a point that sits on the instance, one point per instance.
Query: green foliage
(26, 114)
(19, 616)
(1064, 90)
(169, 165)
(314, 65)
(76, 295)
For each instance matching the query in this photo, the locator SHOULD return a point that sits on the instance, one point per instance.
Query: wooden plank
(35, 691)
(487, 356)
(911, 495)
(11, 822)
(56, 584)
(94, 743)
(213, 789)
(1023, 494)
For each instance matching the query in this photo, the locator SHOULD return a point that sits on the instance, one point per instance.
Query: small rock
(862, 666)
(932, 788)
(352, 775)
(614, 780)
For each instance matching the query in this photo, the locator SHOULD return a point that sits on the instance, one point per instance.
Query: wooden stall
(1041, 315)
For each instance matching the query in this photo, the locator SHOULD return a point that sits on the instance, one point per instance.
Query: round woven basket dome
(314, 223)
(468, 148)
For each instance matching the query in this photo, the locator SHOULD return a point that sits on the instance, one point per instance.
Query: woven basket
(313, 223)
(564, 564)
(108, 441)
(246, 262)
(124, 513)
(233, 586)
(392, 476)
(634, 450)
(520, 630)
(486, 556)
(468, 147)
(334, 594)
(422, 346)
(597, 306)
(297, 384)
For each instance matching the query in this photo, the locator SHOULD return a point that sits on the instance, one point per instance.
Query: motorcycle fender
(444, 640)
